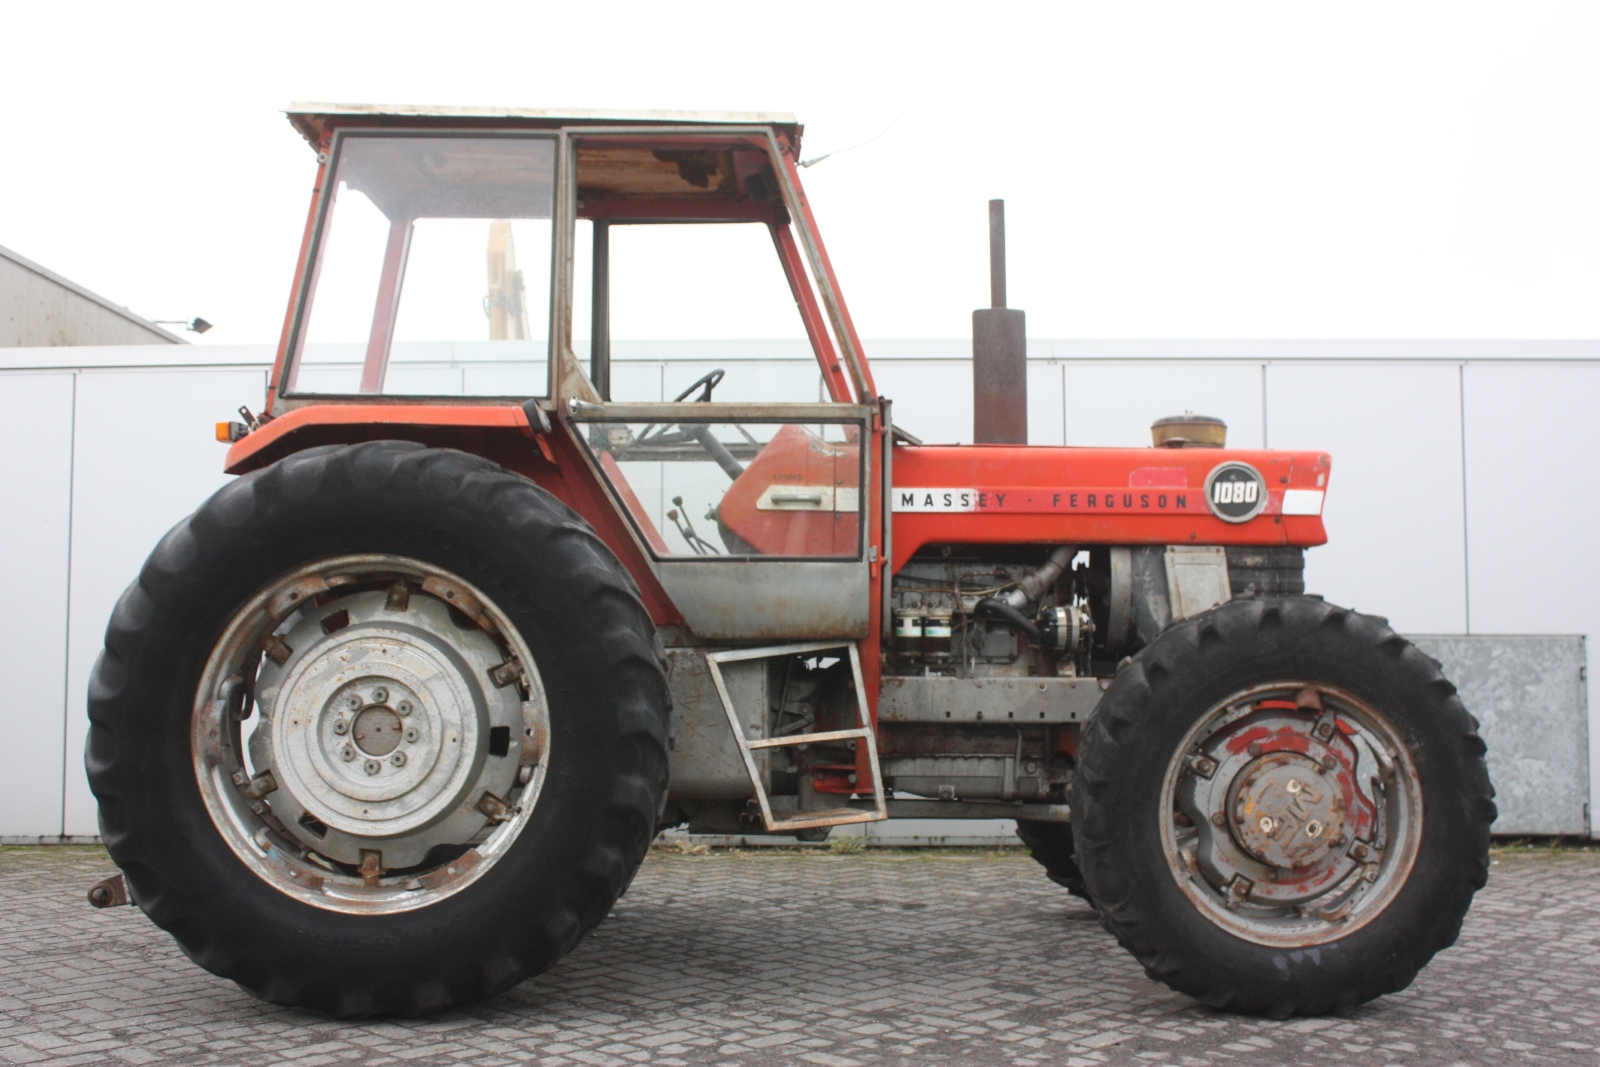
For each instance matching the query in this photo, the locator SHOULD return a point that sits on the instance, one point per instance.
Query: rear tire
(312, 931)
(1273, 715)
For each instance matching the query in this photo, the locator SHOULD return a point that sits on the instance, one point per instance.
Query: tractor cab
(473, 260)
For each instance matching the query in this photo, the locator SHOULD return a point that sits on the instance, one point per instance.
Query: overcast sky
(1201, 170)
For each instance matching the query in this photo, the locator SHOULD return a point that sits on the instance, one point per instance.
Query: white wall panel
(145, 457)
(932, 398)
(1047, 416)
(1113, 404)
(1394, 508)
(1533, 508)
(35, 487)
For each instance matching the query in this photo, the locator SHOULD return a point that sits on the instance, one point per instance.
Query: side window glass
(719, 489)
(432, 276)
(678, 273)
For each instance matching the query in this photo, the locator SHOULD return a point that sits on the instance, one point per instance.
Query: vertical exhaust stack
(999, 353)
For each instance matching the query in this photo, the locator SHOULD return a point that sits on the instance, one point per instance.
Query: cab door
(747, 478)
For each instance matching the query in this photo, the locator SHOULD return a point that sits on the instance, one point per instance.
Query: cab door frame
(748, 599)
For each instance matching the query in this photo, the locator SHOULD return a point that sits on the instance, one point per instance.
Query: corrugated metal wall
(1464, 498)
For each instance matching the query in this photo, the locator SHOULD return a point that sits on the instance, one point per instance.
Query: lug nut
(379, 695)
(341, 727)
(372, 766)
(411, 734)
(347, 753)
(403, 708)
(353, 701)
(398, 759)
(1218, 819)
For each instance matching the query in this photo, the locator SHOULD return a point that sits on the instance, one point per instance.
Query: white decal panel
(935, 499)
(1302, 501)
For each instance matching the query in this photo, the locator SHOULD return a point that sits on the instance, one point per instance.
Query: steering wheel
(700, 435)
(709, 381)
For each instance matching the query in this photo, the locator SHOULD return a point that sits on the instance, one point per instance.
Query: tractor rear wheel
(379, 729)
(1282, 807)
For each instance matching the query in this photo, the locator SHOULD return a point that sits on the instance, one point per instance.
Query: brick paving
(754, 958)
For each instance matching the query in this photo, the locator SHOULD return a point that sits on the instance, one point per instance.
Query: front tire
(1281, 806)
(379, 729)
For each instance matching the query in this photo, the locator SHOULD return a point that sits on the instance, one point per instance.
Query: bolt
(1359, 852)
(1254, 749)
(372, 766)
(398, 759)
(403, 708)
(1329, 762)
(1325, 730)
(341, 727)
(411, 734)
(347, 753)
(1218, 819)
(852, 779)
(379, 695)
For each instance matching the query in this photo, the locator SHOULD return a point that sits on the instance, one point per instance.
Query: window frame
(305, 294)
(585, 415)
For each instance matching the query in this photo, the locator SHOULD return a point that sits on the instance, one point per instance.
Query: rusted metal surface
(1297, 814)
(1019, 701)
(705, 761)
(285, 829)
(999, 353)
(769, 598)
(110, 892)
(863, 739)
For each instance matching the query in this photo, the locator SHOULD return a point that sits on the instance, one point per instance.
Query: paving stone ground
(755, 958)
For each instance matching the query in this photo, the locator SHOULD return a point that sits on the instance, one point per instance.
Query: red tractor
(391, 720)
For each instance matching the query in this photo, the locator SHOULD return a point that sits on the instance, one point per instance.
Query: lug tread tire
(1156, 697)
(604, 674)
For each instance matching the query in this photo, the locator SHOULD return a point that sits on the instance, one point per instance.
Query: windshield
(432, 269)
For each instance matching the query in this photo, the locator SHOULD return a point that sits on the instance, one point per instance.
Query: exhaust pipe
(999, 353)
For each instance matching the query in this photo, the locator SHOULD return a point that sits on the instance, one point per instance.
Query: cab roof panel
(314, 120)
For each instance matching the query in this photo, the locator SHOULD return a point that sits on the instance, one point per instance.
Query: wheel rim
(370, 734)
(1292, 813)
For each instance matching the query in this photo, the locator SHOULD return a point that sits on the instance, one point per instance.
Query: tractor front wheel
(379, 729)
(1281, 806)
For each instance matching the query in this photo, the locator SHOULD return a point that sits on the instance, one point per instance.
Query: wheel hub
(401, 739)
(376, 730)
(1286, 811)
(1291, 813)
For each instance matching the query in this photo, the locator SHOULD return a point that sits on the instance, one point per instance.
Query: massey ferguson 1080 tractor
(391, 720)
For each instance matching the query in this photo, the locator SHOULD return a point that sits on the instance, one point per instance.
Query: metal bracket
(803, 820)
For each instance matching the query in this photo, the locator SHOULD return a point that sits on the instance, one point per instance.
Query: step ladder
(804, 820)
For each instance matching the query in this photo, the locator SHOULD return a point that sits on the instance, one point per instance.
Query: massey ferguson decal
(1044, 501)
(1236, 492)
